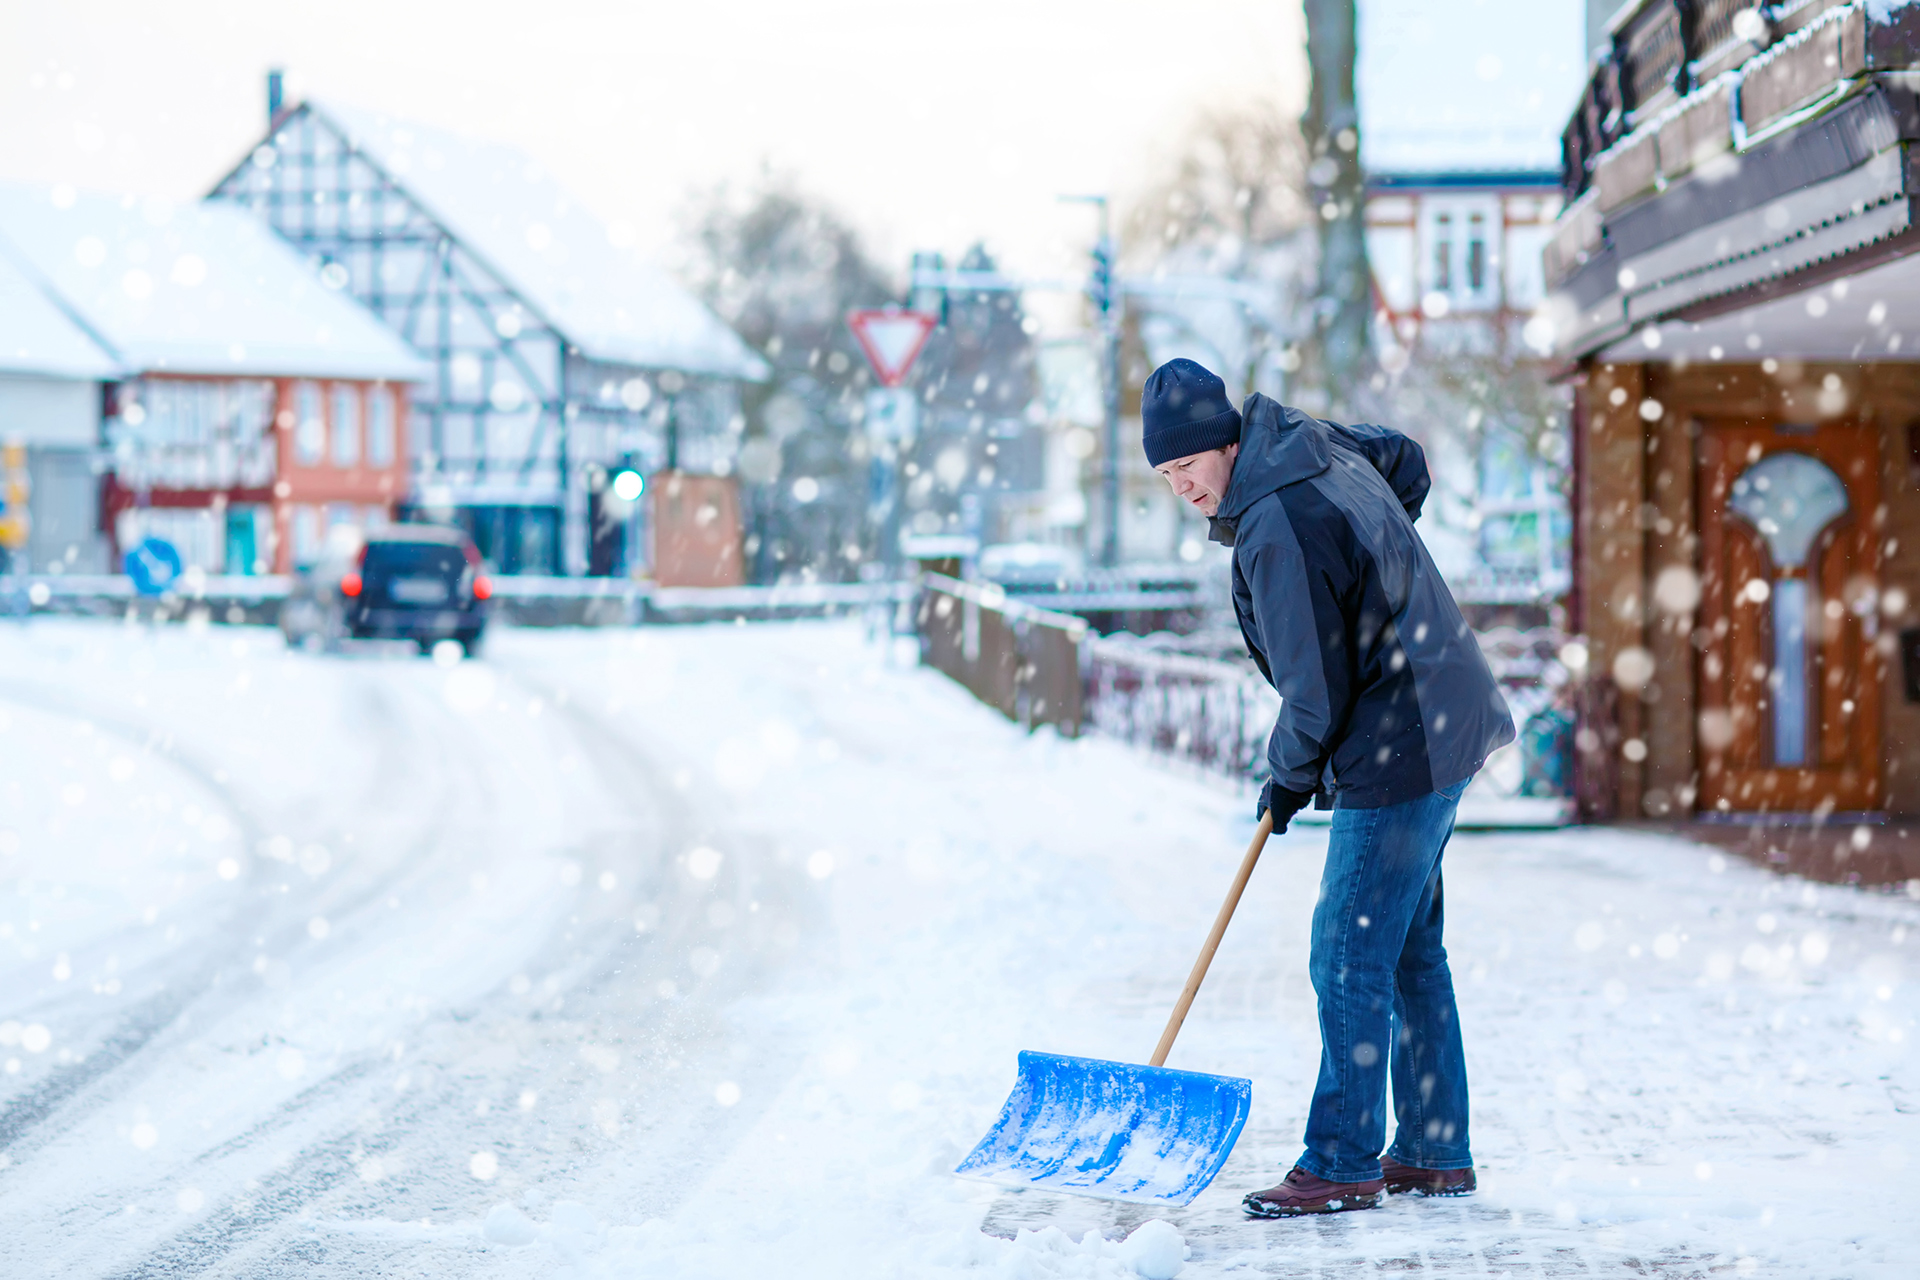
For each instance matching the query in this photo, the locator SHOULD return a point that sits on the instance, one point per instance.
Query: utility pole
(1101, 292)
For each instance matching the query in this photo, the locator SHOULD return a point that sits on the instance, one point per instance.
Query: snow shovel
(1116, 1130)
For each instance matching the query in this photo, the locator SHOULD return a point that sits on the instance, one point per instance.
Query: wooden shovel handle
(1213, 940)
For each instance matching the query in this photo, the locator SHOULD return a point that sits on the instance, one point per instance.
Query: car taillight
(350, 585)
(482, 587)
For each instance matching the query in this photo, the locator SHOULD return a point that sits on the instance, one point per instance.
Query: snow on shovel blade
(1112, 1129)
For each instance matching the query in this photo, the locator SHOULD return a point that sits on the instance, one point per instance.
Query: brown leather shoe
(1302, 1193)
(1401, 1178)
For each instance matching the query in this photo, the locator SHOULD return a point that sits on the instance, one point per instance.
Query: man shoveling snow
(1388, 711)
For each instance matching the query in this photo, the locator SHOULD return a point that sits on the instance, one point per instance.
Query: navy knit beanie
(1184, 410)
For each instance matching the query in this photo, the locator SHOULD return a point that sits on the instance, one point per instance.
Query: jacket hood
(1278, 446)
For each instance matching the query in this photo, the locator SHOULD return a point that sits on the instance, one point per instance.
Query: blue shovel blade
(1112, 1129)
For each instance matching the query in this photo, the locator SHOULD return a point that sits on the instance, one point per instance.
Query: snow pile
(507, 1225)
(1154, 1251)
(571, 1230)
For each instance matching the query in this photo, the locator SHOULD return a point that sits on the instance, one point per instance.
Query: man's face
(1201, 478)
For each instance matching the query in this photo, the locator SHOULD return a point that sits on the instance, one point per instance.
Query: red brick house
(259, 411)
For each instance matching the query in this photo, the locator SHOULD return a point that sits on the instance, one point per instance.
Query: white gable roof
(515, 217)
(194, 288)
(37, 337)
(1455, 85)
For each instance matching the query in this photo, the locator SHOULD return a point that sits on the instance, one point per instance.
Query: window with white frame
(306, 535)
(346, 531)
(346, 424)
(310, 425)
(380, 426)
(192, 433)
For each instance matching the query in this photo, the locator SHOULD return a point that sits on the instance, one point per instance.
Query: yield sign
(892, 340)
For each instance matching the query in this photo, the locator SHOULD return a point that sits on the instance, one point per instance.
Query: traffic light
(1100, 281)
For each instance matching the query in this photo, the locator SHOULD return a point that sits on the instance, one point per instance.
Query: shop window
(346, 424)
(515, 539)
(1443, 253)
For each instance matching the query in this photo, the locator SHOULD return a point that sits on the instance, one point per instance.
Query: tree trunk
(1336, 187)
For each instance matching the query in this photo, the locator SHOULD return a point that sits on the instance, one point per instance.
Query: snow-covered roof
(511, 213)
(193, 288)
(37, 337)
(1870, 315)
(1467, 84)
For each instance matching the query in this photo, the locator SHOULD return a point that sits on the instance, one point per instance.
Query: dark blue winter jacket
(1385, 695)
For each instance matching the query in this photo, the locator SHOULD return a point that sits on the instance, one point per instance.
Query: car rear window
(413, 559)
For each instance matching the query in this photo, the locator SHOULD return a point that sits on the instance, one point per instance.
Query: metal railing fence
(1043, 667)
(1214, 714)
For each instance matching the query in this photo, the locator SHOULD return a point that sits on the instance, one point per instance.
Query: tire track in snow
(606, 972)
(185, 976)
(189, 979)
(192, 987)
(324, 1164)
(249, 1233)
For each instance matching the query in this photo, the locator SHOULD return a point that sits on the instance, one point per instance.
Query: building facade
(253, 475)
(52, 388)
(1456, 254)
(557, 356)
(1735, 279)
(1460, 113)
(238, 407)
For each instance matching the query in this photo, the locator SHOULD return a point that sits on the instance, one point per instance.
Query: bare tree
(1229, 204)
(1336, 186)
(783, 270)
(1236, 183)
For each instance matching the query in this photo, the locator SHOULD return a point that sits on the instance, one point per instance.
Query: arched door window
(1789, 498)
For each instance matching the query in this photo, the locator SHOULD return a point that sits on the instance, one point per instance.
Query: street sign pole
(892, 340)
(1100, 290)
(1102, 284)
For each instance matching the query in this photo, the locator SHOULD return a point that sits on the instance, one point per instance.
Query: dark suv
(417, 582)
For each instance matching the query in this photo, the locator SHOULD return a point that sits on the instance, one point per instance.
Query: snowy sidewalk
(707, 952)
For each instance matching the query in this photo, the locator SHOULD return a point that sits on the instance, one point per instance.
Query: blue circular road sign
(153, 565)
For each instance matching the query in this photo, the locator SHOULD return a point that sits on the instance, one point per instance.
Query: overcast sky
(930, 123)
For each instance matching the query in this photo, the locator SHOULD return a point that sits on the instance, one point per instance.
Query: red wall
(294, 483)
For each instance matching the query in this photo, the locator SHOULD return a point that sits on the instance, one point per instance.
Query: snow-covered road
(707, 952)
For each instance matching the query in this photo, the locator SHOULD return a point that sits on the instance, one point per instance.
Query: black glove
(1283, 803)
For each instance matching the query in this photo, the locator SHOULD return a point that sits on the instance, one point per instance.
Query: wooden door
(1790, 566)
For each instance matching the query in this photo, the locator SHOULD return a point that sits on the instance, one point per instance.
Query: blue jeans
(1386, 994)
